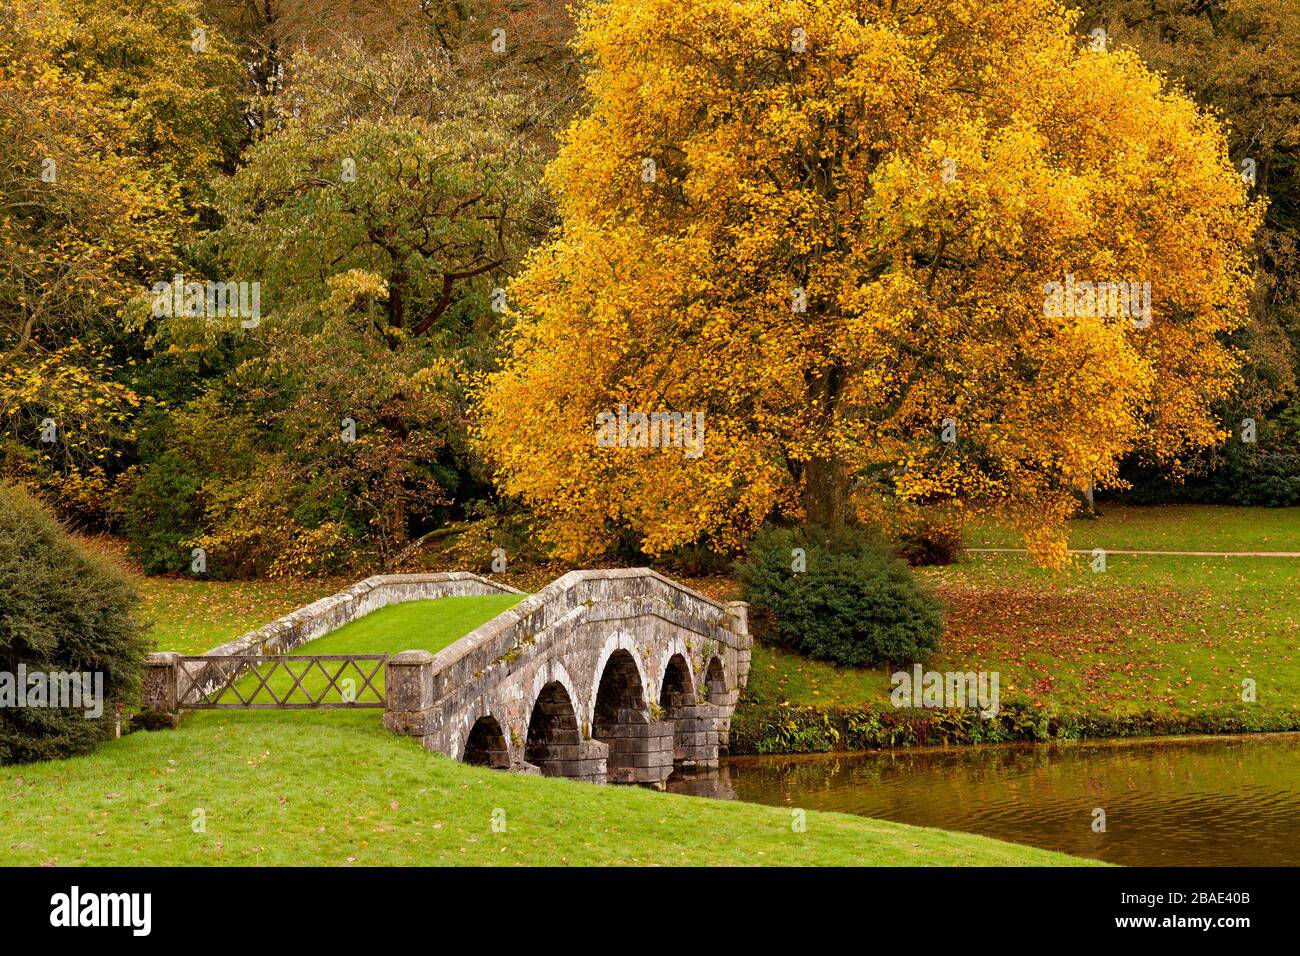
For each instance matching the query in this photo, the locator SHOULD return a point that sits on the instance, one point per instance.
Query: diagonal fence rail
(280, 682)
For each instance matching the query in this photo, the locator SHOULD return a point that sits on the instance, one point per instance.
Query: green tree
(366, 168)
(61, 610)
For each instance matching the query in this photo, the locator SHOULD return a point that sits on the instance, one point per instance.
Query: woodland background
(379, 301)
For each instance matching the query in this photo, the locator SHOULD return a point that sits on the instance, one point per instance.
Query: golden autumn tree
(894, 254)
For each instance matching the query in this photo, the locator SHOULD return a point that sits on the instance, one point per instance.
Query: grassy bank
(336, 789)
(1155, 644)
(192, 617)
(1164, 634)
(413, 626)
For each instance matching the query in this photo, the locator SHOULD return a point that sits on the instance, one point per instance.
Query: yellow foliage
(919, 176)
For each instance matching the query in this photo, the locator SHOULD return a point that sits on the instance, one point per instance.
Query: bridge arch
(620, 693)
(620, 716)
(677, 689)
(676, 647)
(678, 700)
(486, 744)
(618, 641)
(553, 735)
(715, 681)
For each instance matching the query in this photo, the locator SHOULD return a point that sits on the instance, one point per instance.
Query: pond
(1184, 801)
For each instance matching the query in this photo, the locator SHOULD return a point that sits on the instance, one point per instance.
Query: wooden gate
(281, 682)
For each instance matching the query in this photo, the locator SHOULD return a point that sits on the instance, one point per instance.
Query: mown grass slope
(336, 789)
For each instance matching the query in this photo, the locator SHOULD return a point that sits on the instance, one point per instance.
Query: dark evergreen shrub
(1264, 473)
(62, 611)
(930, 545)
(854, 603)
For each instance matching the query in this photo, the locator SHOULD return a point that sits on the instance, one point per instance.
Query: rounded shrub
(930, 544)
(63, 612)
(842, 598)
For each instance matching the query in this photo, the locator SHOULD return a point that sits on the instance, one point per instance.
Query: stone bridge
(601, 676)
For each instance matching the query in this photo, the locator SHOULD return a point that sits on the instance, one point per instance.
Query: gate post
(158, 689)
(408, 690)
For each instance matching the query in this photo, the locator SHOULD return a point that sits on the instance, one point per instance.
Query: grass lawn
(1167, 634)
(1171, 635)
(1168, 528)
(192, 617)
(335, 789)
(413, 626)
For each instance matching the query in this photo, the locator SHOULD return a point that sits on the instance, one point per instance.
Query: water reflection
(714, 783)
(1177, 802)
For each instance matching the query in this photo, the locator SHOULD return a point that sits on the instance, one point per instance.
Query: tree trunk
(826, 478)
(397, 298)
(826, 493)
(1083, 490)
